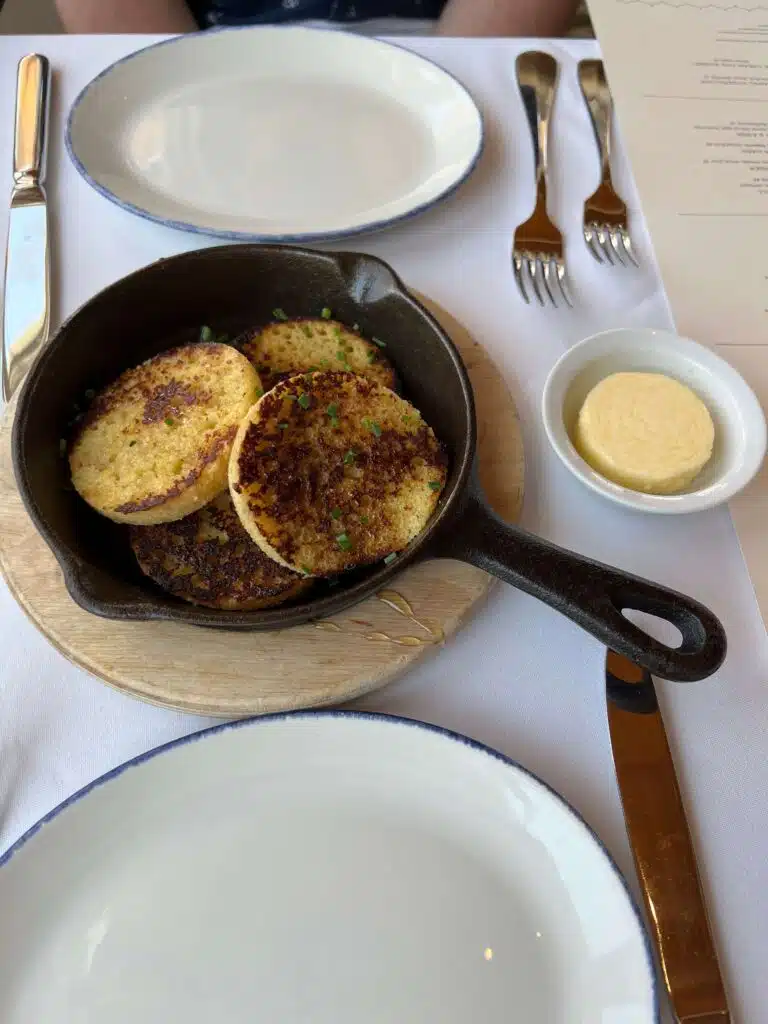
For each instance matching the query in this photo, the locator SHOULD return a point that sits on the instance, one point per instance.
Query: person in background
(535, 18)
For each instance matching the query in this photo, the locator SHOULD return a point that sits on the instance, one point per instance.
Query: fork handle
(537, 80)
(597, 95)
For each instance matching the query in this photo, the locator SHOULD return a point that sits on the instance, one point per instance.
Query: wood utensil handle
(662, 846)
(32, 96)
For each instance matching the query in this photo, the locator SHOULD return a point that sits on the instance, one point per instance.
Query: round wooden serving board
(211, 672)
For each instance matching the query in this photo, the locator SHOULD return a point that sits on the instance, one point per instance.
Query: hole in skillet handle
(589, 593)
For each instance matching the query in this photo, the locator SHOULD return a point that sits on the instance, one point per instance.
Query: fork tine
(628, 246)
(517, 263)
(533, 265)
(602, 237)
(613, 235)
(547, 265)
(589, 238)
(563, 284)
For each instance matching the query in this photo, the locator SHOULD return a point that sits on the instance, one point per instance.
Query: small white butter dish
(740, 428)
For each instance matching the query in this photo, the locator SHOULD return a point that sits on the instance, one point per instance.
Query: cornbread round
(645, 431)
(331, 470)
(208, 559)
(286, 347)
(154, 446)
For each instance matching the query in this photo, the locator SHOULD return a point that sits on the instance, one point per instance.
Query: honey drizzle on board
(394, 600)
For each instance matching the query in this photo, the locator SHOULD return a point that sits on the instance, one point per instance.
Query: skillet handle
(593, 595)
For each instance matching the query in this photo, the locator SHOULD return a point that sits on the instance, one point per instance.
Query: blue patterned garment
(256, 12)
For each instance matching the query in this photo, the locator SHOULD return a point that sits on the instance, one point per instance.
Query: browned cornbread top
(332, 471)
(154, 385)
(286, 347)
(209, 559)
(154, 445)
(204, 458)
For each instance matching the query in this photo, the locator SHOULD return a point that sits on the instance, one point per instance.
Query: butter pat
(645, 431)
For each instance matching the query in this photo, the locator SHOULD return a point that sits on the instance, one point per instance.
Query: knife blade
(661, 845)
(26, 312)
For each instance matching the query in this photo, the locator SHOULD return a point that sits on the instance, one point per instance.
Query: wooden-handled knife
(661, 844)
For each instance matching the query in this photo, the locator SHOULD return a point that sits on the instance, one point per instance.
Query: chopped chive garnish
(344, 542)
(62, 446)
(337, 335)
(341, 356)
(372, 355)
(333, 411)
(304, 400)
(335, 513)
(312, 369)
(307, 330)
(390, 558)
(325, 313)
(259, 392)
(377, 341)
(364, 520)
(290, 398)
(434, 485)
(324, 363)
(407, 417)
(279, 314)
(131, 443)
(306, 570)
(206, 334)
(350, 457)
(282, 426)
(168, 421)
(374, 427)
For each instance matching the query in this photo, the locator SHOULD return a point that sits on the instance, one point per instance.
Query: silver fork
(537, 251)
(605, 212)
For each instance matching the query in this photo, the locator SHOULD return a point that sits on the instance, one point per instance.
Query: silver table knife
(662, 847)
(26, 307)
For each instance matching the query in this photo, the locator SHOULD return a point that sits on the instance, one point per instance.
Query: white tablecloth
(518, 677)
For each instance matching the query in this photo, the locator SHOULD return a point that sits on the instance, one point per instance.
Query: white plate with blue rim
(275, 133)
(326, 867)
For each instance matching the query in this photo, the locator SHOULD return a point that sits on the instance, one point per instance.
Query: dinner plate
(329, 867)
(274, 134)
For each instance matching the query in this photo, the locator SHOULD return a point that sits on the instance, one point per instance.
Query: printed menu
(690, 84)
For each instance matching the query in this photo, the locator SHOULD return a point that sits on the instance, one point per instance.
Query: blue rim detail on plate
(245, 236)
(371, 716)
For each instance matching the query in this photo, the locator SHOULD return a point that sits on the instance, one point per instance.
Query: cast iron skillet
(231, 288)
